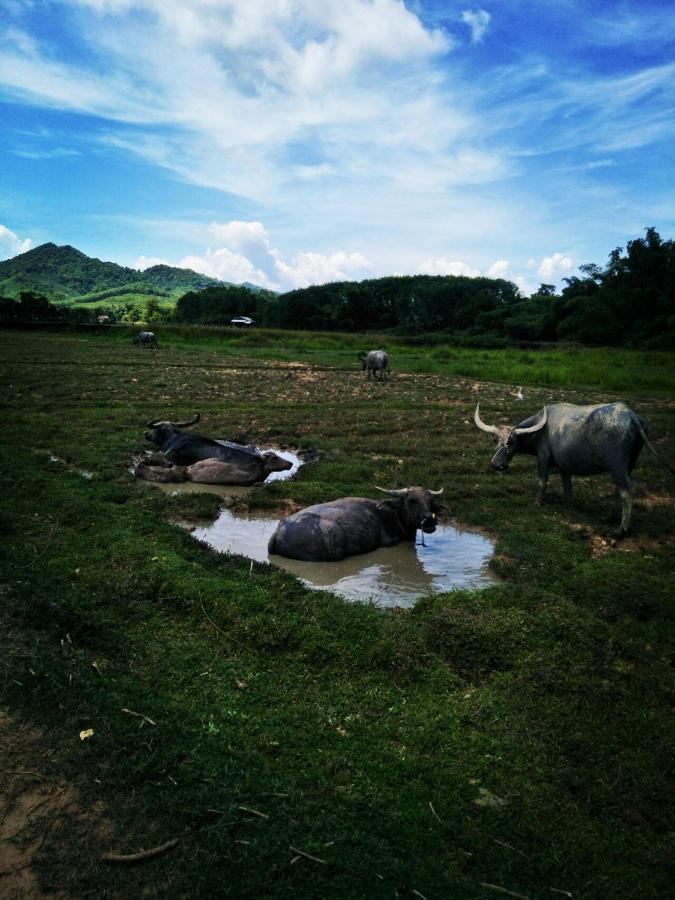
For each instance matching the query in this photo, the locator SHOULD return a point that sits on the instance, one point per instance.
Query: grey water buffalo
(146, 339)
(241, 469)
(328, 532)
(375, 362)
(575, 440)
(239, 464)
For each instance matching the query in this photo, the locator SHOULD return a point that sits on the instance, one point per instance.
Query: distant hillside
(64, 273)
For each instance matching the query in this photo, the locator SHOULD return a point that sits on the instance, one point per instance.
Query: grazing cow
(576, 440)
(374, 362)
(327, 532)
(103, 320)
(146, 339)
(245, 464)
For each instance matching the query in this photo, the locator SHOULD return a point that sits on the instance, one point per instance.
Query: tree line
(631, 301)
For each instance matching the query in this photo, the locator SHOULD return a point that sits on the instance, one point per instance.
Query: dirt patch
(41, 814)
(600, 544)
(651, 500)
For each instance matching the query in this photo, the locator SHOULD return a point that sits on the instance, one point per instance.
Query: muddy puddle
(232, 490)
(390, 576)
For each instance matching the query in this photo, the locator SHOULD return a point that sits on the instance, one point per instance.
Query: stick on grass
(141, 855)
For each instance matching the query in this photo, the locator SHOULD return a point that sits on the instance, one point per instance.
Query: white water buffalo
(327, 532)
(146, 339)
(576, 440)
(375, 362)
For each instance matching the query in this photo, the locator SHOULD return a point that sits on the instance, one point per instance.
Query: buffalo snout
(428, 524)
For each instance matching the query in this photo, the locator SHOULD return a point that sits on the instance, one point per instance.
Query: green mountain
(64, 273)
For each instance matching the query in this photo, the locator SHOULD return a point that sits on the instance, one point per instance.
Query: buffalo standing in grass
(210, 461)
(375, 362)
(576, 440)
(328, 532)
(146, 339)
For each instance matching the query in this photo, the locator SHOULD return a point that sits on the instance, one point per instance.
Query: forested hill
(63, 273)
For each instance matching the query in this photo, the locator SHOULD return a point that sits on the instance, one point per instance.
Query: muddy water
(390, 576)
(231, 490)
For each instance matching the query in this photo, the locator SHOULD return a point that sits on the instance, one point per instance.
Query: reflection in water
(231, 490)
(390, 576)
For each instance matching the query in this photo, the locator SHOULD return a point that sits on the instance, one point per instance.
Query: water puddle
(232, 490)
(390, 576)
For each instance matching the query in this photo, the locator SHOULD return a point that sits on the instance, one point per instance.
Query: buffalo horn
(491, 429)
(157, 422)
(436, 493)
(532, 428)
(400, 493)
(192, 421)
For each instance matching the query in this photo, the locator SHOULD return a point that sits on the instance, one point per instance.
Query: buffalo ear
(390, 503)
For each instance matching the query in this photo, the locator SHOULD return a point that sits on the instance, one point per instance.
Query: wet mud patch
(391, 576)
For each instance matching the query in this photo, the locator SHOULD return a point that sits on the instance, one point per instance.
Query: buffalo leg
(567, 486)
(626, 509)
(542, 468)
(623, 488)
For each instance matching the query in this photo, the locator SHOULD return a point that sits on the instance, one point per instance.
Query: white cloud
(228, 266)
(499, 269)
(478, 21)
(11, 244)
(144, 262)
(246, 254)
(316, 268)
(443, 266)
(554, 266)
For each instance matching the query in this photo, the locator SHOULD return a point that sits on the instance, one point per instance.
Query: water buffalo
(146, 339)
(575, 440)
(242, 469)
(374, 362)
(239, 464)
(330, 531)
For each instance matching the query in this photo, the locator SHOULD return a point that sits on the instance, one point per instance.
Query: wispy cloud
(478, 21)
(50, 153)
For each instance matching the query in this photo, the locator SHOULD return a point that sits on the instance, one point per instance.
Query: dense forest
(629, 302)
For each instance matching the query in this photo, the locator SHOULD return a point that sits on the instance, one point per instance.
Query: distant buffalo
(146, 339)
(576, 440)
(375, 363)
(328, 532)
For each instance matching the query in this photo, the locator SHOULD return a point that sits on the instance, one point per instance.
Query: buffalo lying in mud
(374, 362)
(213, 462)
(146, 339)
(327, 532)
(576, 440)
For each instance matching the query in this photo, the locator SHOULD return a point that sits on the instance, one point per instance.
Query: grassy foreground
(514, 741)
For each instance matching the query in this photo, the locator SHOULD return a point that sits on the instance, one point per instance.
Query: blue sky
(291, 142)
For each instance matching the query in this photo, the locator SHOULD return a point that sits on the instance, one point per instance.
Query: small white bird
(520, 395)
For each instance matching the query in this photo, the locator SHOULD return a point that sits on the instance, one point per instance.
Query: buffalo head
(160, 432)
(275, 463)
(506, 438)
(416, 508)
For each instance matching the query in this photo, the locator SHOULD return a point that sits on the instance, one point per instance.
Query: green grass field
(513, 741)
